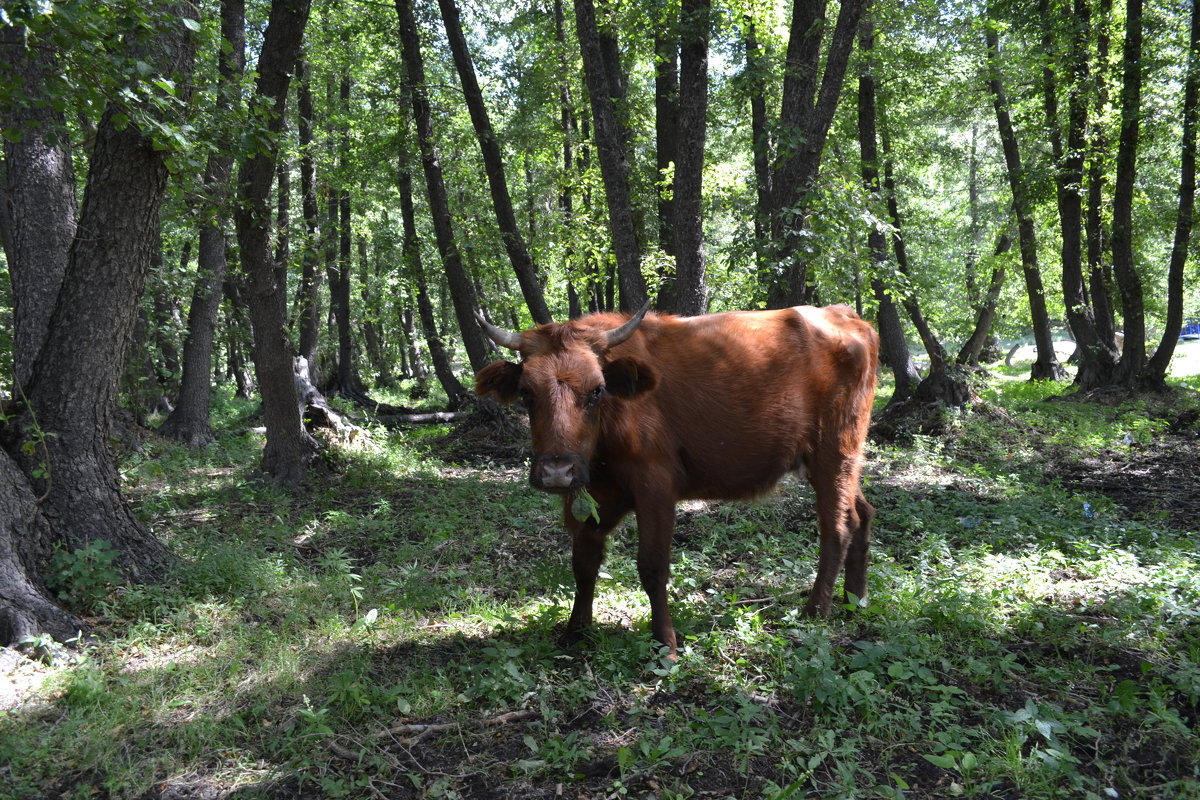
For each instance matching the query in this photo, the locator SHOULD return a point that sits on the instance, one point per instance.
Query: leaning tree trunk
(756, 69)
(985, 311)
(289, 448)
(666, 131)
(1155, 373)
(493, 165)
(1046, 366)
(462, 293)
(456, 393)
(190, 420)
(810, 98)
(614, 161)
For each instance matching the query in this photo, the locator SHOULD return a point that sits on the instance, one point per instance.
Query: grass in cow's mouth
(1032, 630)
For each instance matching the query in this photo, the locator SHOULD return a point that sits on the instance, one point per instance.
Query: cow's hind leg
(588, 538)
(835, 484)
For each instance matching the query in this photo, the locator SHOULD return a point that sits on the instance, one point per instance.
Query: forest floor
(1032, 630)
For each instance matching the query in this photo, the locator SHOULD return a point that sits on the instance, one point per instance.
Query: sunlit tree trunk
(1046, 365)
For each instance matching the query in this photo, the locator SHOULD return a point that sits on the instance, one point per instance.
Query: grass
(1025, 636)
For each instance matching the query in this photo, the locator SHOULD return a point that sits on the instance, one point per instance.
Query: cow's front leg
(656, 525)
(588, 537)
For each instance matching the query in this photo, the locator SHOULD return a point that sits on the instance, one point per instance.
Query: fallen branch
(414, 733)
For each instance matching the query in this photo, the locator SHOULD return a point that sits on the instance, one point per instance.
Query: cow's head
(568, 379)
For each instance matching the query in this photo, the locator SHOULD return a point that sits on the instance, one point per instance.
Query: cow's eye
(594, 395)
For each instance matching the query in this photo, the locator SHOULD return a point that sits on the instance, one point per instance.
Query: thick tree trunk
(308, 302)
(289, 448)
(461, 291)
(1046, 366)
(39, 208)
(810, 98)
(690, 290)
(493, 165)
(190, 420)
(72, 391)
(1155, 373)
(614, 161)
(1133, 311)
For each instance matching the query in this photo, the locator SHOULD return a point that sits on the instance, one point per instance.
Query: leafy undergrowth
(1032, 630)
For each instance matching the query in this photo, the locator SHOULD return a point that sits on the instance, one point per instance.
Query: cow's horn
(617, 335)
(509, 339)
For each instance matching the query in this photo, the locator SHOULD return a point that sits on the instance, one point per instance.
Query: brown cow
(649, 410)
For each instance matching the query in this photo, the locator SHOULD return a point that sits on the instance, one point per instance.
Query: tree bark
(891, 332)
(690, 290)
(493, 165)
(666, 131)
(308, 301)
(760, 142)
(1133, 312)
(1155, 373)
(190, 421)
(1095, 357)
(289, 448)
(985, 310)
(1046, 366)
(1099, 274)
(72, 390)
(810, 98)
(39, 207)
(462, 293)
(614, 160)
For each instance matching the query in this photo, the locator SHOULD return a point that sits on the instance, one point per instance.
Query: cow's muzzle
(558, 474)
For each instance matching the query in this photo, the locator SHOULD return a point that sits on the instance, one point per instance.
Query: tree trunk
(760, 142)
(666, 132)
(891, 333)
(289, 448)
(39, 207)
(1046, 366)
(810, 99)
(1099, 275)
(614, 161)
(690, 290)
(308, 301)
(71, 394)
(1095, 358)
(985, 310)
(461, 291)
(1133, 352)
(1155, 373)
(370, 324)
(190, 420)
(493, 164)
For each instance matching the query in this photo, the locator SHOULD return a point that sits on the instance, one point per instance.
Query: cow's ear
(498, 380)
(626, 377)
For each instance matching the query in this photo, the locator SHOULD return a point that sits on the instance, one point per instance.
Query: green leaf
(945, 762)
(191, 24)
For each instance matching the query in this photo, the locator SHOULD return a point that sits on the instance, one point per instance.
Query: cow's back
(743, 397)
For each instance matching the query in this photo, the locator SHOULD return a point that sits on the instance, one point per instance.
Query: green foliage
(84, 577)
